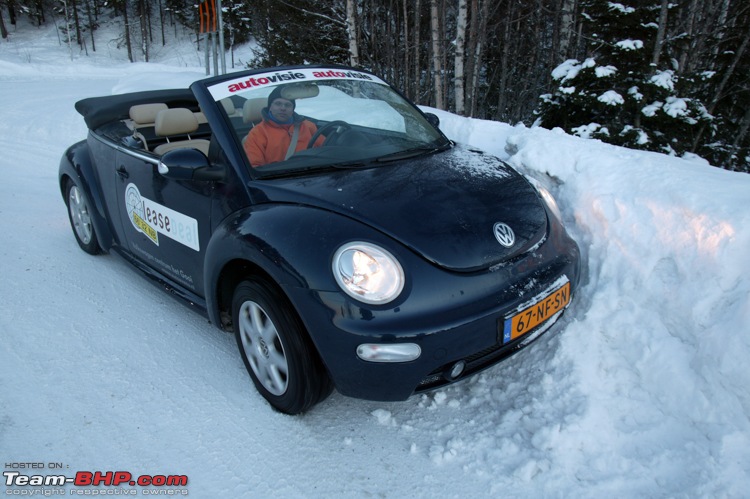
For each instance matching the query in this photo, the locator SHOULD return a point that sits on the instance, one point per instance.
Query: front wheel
(79, 213)
(278, 354)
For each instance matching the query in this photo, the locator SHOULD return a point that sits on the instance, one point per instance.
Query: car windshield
(337, 119)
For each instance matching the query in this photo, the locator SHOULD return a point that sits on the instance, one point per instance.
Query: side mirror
(433, 120)
(189, 164)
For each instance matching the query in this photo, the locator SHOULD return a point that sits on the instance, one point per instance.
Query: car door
(166, 222)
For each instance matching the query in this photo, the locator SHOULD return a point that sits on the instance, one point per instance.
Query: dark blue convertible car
(375, 257)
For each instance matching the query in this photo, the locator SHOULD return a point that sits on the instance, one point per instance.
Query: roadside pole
(211, 23)
(222, 52)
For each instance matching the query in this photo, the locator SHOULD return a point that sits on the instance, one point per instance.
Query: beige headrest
(251, 110)
(228, 106)
(143, 114)
(175, 122)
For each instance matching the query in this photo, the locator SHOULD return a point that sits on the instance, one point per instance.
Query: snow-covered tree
(628, 90)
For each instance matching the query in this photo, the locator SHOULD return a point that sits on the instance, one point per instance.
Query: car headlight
(550, 202)
(547, 197)
(368, 273)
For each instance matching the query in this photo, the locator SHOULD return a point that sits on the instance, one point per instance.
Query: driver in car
(281, 133)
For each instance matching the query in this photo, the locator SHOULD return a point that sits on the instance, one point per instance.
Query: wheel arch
(229, 277)
(76, 166)
(271, 242)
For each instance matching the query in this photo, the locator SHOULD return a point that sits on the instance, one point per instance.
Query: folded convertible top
(97, 111)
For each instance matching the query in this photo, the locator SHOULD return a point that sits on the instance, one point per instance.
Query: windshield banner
(257, 81)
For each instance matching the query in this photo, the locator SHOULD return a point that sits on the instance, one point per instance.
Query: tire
(79, 213)
(277, 352)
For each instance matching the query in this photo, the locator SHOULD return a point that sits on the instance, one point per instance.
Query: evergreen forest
(660, 75)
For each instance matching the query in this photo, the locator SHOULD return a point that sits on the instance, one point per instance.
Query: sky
(642, 391)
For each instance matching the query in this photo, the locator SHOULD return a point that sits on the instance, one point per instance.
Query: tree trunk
(90, 17)
(351, 29)
(504, 68)
(689, 28)
(417, 68)
(744, 126)
(459, 58)
(436, 56)
(67, 29)
(478, 53)
(77, 23)
(407, 65)
(39, 13)
(161, 21)
(719, 90)
(127, 32)
(11, 12)
(3, 29)
(144, 29)
(472, 12)
(663, 13)
(567, 29)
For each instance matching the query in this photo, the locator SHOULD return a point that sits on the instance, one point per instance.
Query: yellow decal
(149, 231)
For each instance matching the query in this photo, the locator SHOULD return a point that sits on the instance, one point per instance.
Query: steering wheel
(340, 127)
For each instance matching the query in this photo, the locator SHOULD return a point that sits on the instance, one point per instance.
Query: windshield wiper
(351, 164)
(313, 170)
(411, 152)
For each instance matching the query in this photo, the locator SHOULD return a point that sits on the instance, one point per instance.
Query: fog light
(391, 352)
(457, 369)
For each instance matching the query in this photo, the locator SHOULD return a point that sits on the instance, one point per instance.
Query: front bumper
(453, 318)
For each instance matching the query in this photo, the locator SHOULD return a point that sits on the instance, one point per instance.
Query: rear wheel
(79, 213)
(277, 352)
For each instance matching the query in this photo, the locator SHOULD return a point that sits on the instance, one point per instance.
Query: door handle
(122, 172)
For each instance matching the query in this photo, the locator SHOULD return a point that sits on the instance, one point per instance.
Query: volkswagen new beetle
(379, 259)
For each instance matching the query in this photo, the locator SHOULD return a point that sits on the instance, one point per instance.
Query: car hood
(443, 206)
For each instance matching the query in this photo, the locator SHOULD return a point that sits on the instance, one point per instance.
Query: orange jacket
(268, 142)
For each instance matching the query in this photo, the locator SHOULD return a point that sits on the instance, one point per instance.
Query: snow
(635, 93)
(628, 45)
(569, 69)
(642, 136)
(620, 8)
(643, 393)
(676, 107)
(588, 131)
(664, 79)
(605, 71)
(611, 98)
(651, 109)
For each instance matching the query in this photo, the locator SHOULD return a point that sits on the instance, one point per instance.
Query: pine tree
(621, 93)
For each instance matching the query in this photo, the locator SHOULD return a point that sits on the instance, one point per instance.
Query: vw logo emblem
(504, 234)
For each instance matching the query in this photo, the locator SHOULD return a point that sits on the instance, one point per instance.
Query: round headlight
(550, 202)
(368, 273)
(547, 197)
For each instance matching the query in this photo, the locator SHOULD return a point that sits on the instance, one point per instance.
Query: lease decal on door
(151, 219)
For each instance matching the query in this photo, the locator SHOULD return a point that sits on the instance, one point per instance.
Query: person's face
(282, 109)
